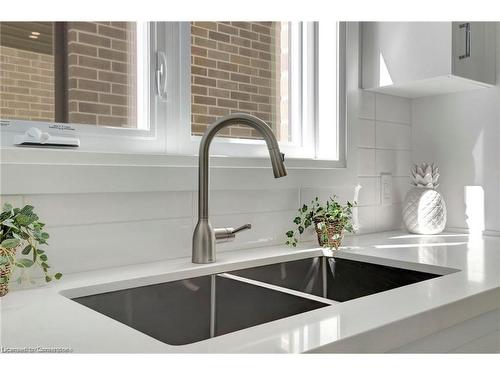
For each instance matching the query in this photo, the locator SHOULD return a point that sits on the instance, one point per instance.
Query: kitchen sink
(186, 311)
(334, 278)
(190, 310)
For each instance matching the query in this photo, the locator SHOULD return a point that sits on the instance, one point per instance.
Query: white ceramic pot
(424, 211)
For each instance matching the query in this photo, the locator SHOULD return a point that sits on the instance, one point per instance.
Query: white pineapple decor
(424, 210)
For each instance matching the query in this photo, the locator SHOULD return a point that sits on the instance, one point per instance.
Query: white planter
(424, 211)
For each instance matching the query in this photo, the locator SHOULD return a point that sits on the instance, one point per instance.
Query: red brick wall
(26, 85)
(101, 72)
(236, 67)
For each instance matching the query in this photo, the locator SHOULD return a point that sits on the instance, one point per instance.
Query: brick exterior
(101, 77)
(238, 67)
(101, 73)
(26, 85)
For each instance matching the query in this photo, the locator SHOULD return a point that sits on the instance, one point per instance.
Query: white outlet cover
(386, 189)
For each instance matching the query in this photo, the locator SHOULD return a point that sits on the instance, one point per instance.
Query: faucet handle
(229, 234)
(243, 227)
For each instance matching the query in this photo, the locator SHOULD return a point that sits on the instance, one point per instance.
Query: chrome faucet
(204, 236)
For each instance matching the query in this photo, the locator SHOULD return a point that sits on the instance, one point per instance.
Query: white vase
(424, 211)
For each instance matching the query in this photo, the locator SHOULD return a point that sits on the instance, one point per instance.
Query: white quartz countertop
(45, 317)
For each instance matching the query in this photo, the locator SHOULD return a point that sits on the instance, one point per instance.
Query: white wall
(105, 229)
(461, 133)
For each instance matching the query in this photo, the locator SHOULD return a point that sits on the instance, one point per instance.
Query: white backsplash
(384, 146)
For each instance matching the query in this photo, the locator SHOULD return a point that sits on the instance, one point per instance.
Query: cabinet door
(474, 51)
(396, 53)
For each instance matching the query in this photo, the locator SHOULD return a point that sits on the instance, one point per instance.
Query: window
(156, 87)
(70, 72)
(84, 79)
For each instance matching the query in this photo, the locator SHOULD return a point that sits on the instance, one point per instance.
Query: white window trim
(163, 141)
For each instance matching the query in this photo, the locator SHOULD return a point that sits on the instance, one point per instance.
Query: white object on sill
(36, 137)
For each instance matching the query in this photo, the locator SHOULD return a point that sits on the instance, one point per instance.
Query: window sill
(75, 171)
(25, 155)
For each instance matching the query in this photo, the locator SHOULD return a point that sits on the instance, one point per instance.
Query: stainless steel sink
(335, 278)
(186, 311)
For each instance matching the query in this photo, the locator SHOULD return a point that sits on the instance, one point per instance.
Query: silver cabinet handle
(161, 75)
(466, 26)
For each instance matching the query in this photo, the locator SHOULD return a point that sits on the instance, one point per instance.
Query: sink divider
(279, 288)
(325, 281)
(213, 291)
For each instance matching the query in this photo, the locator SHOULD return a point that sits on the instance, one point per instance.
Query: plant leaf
(58, 275)
(48, 279)
(10, 243)
(24, 263)
(26, 250)
(3, 260)
(22, 219)
(27, 210)
(9, 223)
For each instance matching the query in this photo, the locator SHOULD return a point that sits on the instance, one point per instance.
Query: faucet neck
(203, 162)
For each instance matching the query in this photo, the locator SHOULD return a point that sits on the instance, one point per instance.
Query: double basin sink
(190, 310)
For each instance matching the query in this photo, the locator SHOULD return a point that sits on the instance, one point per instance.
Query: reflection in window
(76, 72)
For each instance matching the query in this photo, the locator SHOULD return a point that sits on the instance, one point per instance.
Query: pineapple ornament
(424, 210)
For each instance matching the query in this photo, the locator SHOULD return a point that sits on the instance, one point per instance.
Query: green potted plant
(21, 234)
(330, 221)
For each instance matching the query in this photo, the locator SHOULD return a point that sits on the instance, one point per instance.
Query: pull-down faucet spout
(204, 236)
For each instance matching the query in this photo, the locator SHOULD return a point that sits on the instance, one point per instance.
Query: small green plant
(330, 221)
(21, 229)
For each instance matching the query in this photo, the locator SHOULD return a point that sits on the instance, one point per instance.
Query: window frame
(303, 107)
(169, 120)
(304, 104)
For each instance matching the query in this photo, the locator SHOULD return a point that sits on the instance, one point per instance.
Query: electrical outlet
(386, 189)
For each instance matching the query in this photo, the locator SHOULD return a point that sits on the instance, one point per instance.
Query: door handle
(466, 26)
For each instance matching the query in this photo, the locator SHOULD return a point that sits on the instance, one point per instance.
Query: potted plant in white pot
(21, 234)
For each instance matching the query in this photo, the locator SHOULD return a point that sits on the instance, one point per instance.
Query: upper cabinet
(414, 59)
